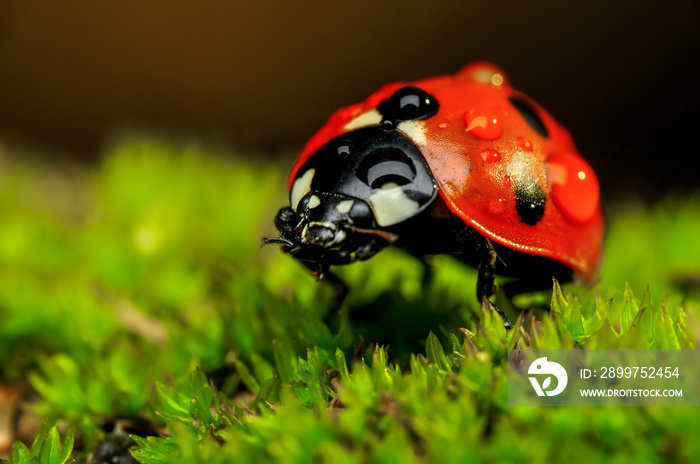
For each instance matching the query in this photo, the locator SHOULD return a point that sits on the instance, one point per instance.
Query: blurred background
(147, 263)
(263, 76)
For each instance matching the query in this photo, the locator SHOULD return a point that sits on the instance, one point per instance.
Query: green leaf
(457, 346)
(261, 368)
(341, 364)
(269, 390)
(68, 441)
(50, 454)
(492, 331)
(155, 450)
(418, 369)
(593, 322)
(570, 311)
(435, 353)
(20, 454)
(202, 389)
(647, 316)
(174, 402)
(559, 302)
(629, 310)
(39, 445)
(576, 327)
(246, 376)
(284, 360)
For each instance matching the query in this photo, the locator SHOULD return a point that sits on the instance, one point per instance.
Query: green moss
(138, 290)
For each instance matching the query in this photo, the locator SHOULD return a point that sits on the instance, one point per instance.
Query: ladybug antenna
(388, 236)
(282, 241)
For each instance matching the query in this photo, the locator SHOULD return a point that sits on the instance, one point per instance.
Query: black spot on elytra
(530, 116)
(529, 202)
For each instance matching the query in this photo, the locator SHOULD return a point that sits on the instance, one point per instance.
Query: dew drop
(525, 144)
(574, 186)
(507, 183)
(483, 123)
(497, 206)
(490, 156)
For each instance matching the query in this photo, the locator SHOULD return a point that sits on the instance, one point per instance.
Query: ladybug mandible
(460, 164)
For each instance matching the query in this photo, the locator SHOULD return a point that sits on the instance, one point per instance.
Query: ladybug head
(348, 195)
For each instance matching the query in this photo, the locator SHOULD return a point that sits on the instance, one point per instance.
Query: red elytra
(479, 148)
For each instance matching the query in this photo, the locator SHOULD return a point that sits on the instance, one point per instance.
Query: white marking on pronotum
(314, 201)
(368, 118)
(301, 187)
(328, 225)
(345, 206)
(415, 130)
(391, 206)
(339, 235)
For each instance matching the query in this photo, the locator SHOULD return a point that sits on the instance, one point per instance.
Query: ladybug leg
(322, 273)
(487, 273)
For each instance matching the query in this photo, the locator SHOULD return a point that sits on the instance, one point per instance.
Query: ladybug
(461, 164)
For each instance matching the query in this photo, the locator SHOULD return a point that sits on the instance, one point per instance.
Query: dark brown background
(622, 76)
